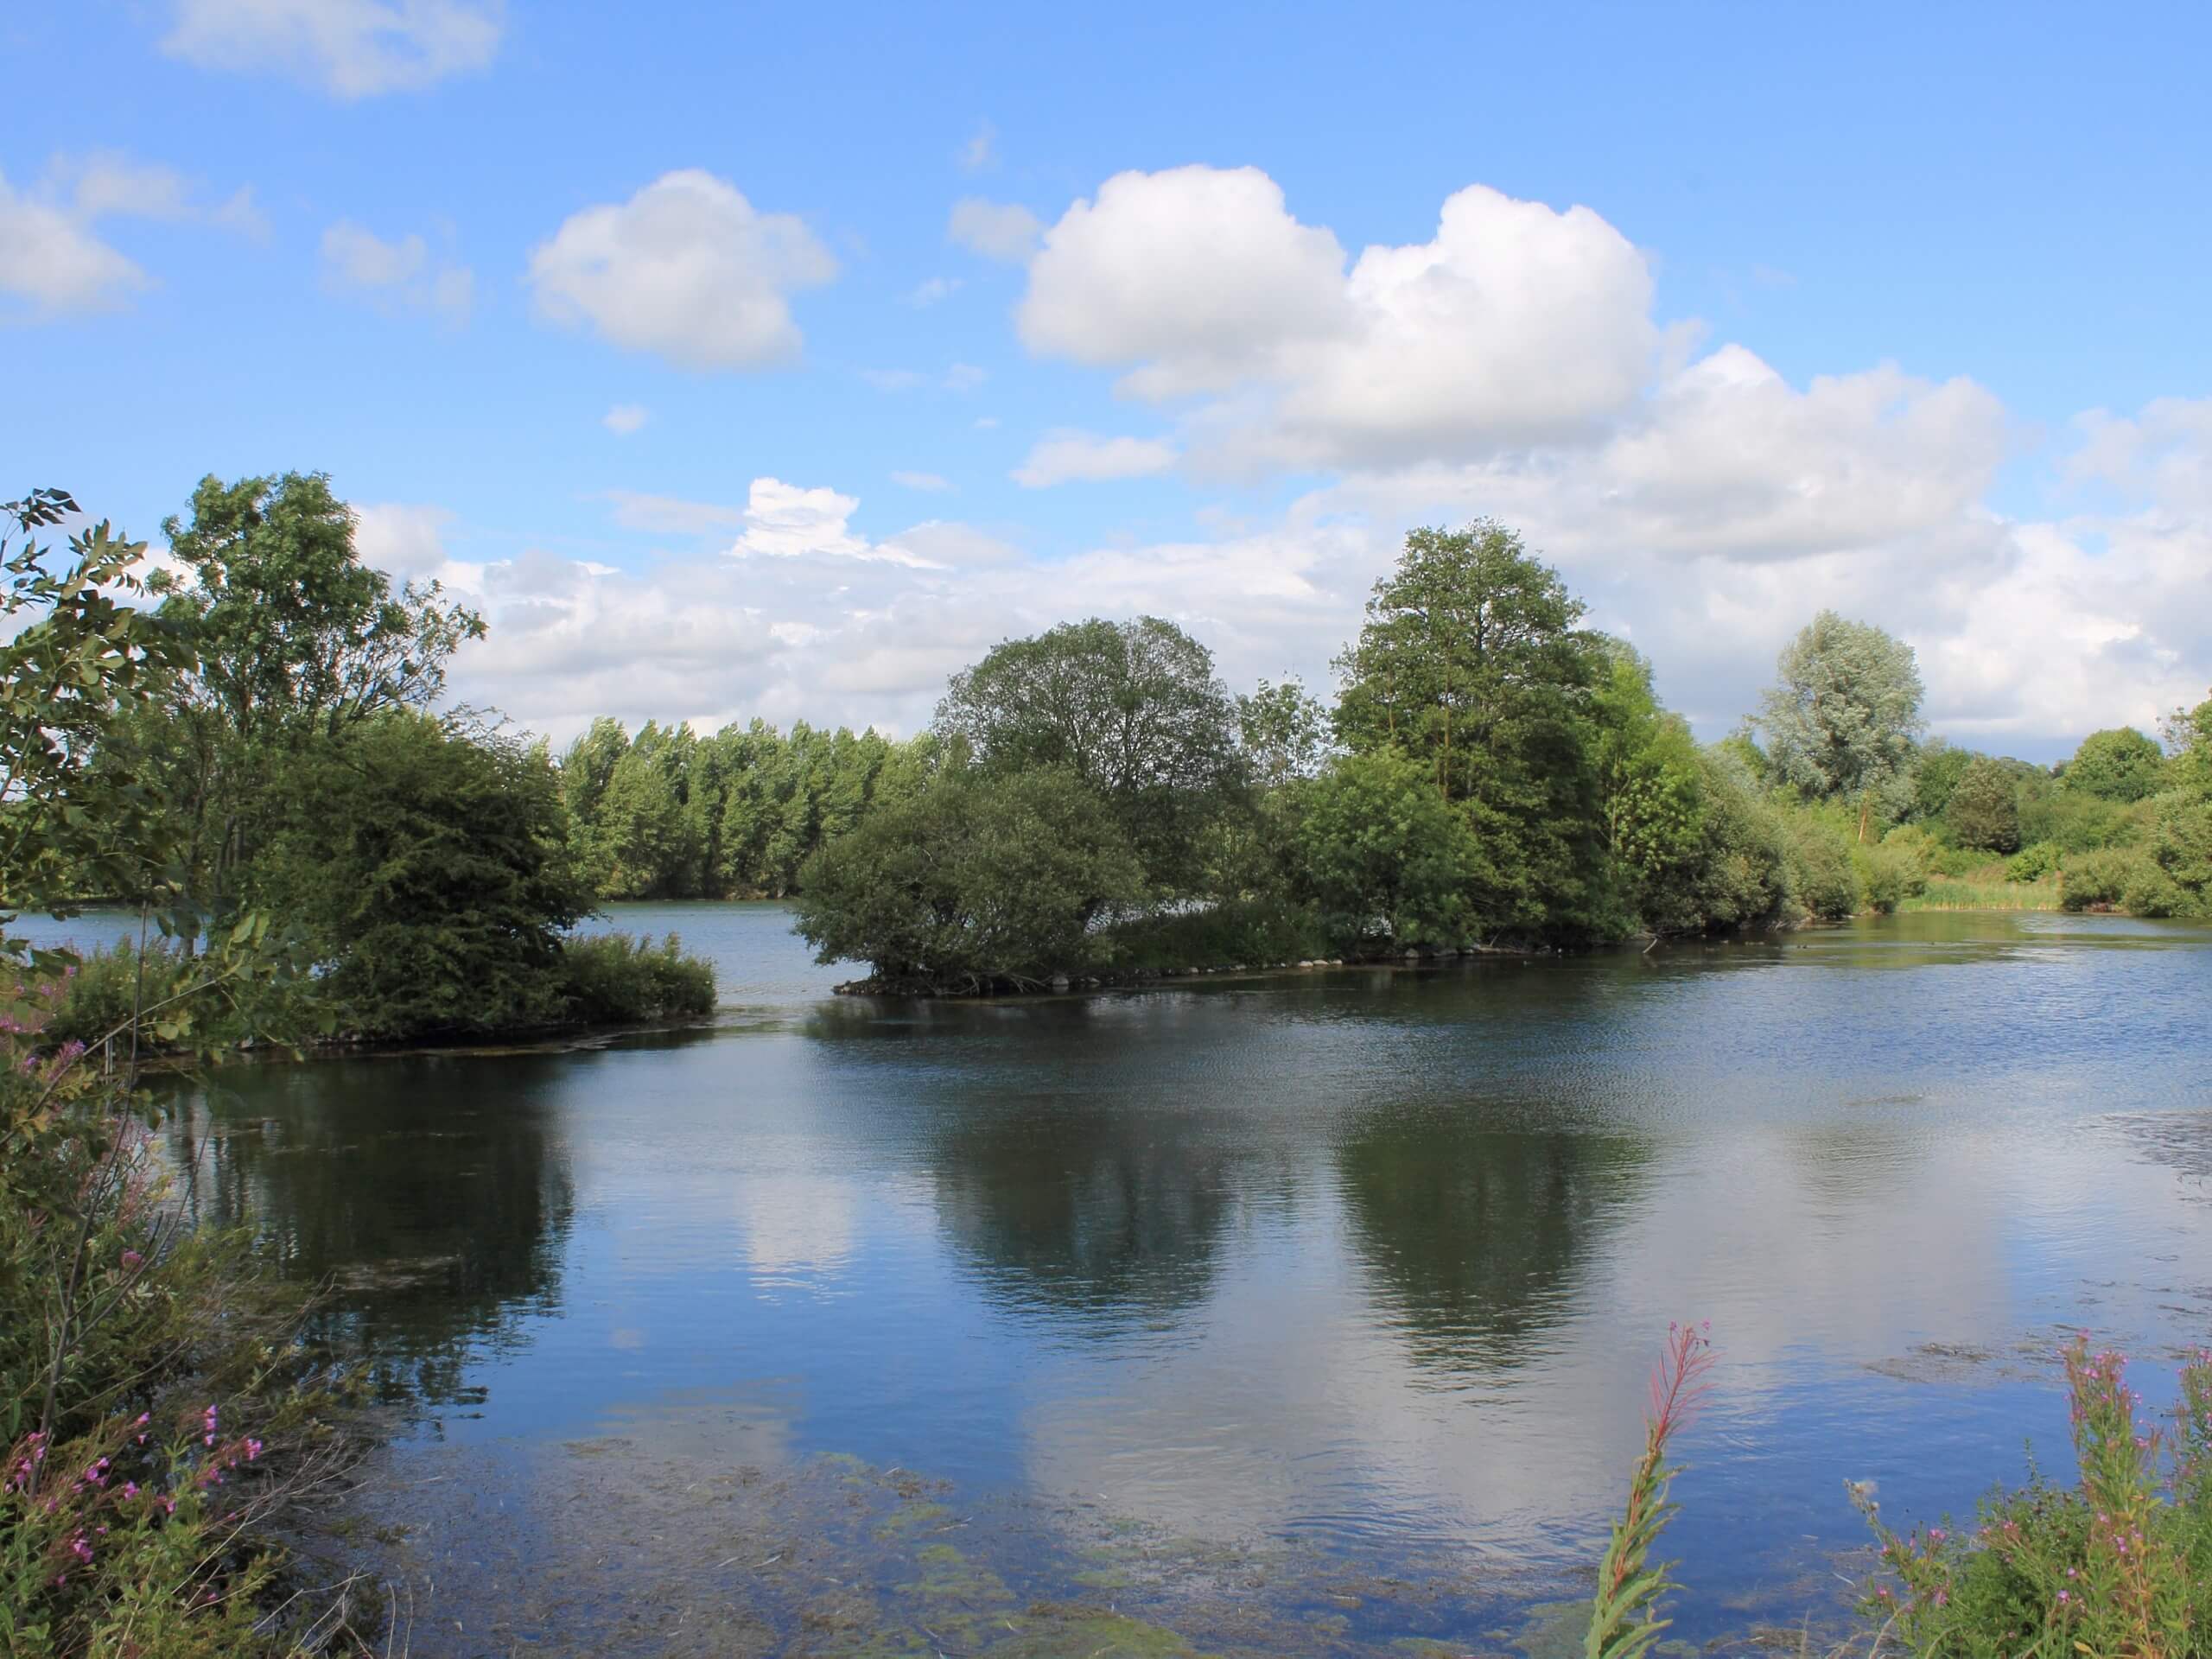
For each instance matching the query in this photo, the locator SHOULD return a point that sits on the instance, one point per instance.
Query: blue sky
(1834, 326)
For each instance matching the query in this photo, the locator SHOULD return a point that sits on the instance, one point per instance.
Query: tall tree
(295, 640)
(1132, 710)
(1984, 810)
(2120, 764)
(1840, 721)
(1472, 662)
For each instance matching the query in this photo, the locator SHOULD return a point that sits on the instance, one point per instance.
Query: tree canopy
(1841, 720)
(1132, 711)
(2118, 764)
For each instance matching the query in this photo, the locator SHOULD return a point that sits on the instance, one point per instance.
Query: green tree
(1936, 769)
(2180, 846)
(980, 881)
(1840, 721)
(1650, 784)
(1132, 710)
(1471, 661)
(1823, 881)
(1283, 732)
(2119, 764)
(288, 623)
(79, 663)
(1383, 854)
(430, 867)
(1984, 811)
(295, 640)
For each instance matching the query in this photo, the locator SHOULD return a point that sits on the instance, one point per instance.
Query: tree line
(1488, 771)
(1492, 773)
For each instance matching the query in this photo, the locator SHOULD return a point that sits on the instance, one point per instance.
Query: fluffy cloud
(1199, 276)
(351, 48)
(996, 230)
(1725, 458)
(2166, 451)
(1514, 324)
(687, 269)
(1059, 457)
(53, 260)
(402, 274)
(800, 616)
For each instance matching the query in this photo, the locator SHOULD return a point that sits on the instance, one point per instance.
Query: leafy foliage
(429, 867)
(2121, 764)
(612, 979)
(1132, 710)
(1840, 721)
(1384, 854)
(1984, 811)
(1472, 663)
(977, 881)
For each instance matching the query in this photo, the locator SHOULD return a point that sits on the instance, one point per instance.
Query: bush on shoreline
(616, 979)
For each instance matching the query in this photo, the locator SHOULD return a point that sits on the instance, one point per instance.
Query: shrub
(2106, 1567)
(2121, 764)
(1956, 861)
(974, 883)
(2096, 880)
(614, 979)
(2151, 892)
(1256, 930)
(1919, 844)
(100, 991)
(1822, 878)
(1887, 876)
(2033, 863)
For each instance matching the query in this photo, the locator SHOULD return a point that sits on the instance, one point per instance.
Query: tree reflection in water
(431, 1212)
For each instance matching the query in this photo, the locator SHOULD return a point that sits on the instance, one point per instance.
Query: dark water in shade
(1362, 1267)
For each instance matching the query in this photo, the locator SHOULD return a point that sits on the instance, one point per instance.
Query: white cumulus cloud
(351, 48)
(1515, 323)
(688, 269)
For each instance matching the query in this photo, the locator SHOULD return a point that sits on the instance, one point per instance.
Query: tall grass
(1948, 893)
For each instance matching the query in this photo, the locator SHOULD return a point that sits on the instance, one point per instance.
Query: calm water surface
(1327, 1297)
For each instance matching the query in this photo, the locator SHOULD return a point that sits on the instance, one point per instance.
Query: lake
(1299, 1313)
